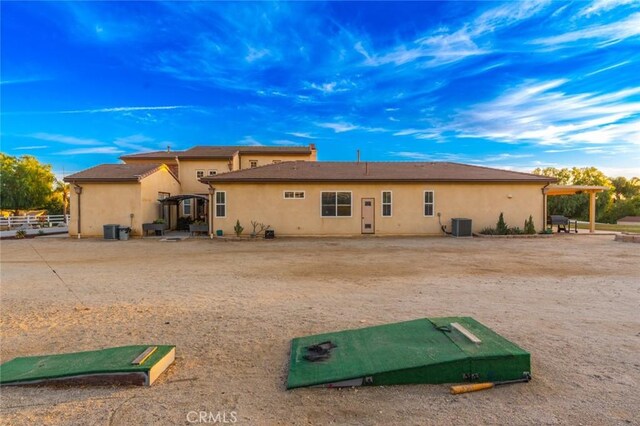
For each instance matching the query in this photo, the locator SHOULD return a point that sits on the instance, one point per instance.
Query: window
(199, 174)
(336, 204)
(290, 195)
(221, 204)
(186, 207)
(386, 203)
(253, 163)
(428, 203)
(163, 195)
(212, 172)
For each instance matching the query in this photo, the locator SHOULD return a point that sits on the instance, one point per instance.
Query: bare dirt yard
(231, 308)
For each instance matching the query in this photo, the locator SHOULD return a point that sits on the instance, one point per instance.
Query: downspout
(212, 191)
(544, 206)
(78, 189)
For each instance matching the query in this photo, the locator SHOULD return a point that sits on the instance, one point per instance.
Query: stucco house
(385, 198)
(161, 184)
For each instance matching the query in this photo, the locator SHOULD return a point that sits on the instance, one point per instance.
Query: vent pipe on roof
(168, 148)
(366, 168)
(358, 155)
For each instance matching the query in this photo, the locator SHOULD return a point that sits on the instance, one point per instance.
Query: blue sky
(514, 85)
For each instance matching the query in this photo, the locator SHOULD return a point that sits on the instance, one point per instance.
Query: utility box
(461, 227)
(269, 234)
(111, 232)
(123, 233)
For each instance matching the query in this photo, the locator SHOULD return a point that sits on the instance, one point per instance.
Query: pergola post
(592, 211)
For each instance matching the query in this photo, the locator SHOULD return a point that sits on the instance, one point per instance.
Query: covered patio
(592, 190)
(198, 208)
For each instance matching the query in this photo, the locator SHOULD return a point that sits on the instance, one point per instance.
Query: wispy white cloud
(443, 46)
(340, 127)
(540, 113)
(31, 147)
(69, 140)
(606, 33)
(136, 143)
(332, 86)
(304, 135)
(285, 142)
(254, 54)
(126, 109)
(21, 81)
(598, 71)
(599, 6)
(93, 150)
(250, 141)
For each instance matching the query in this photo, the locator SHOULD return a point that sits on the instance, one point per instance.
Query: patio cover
(577, 189)
(177, 199)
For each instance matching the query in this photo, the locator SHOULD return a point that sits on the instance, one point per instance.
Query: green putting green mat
(141, 365)
(428, 350)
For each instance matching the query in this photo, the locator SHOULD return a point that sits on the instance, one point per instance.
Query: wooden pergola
(592, 190)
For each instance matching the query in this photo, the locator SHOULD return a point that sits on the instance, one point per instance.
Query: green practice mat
(428, 350)
(112, 365)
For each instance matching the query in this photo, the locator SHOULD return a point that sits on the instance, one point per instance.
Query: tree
(577, 206)
(625, 188)
(25, 183)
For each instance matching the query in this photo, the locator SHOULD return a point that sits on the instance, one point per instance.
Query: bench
(562, 222)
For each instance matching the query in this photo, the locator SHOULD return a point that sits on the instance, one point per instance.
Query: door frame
(373, 215)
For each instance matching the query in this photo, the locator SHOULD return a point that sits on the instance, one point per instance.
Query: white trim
(336, 215)
(198, 171)
(220, 204)
(215, 172)
(184, 204)
(251, 166)
(382, 203)
(304, 195)
(433, 202)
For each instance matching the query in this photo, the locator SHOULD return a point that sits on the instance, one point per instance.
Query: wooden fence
(30, 222)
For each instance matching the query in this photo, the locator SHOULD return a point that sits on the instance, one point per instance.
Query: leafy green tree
(25, 183)
(577, 206)
(625, 188)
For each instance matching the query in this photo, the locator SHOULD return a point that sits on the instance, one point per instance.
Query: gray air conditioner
(461, 227)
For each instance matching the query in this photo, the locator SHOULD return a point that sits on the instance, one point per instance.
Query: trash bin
(111, 232)
(124, 232)
(219, 233)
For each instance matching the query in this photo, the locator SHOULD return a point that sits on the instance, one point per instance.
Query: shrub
(501, 226)
(159, 221)
(488, 231)
(514, 231)
(238, 228)
(20, 234)
(529, 227)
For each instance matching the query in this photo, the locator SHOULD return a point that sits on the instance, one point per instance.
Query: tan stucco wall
(265, 159)
(169, 161)
(161, 181)
(481, 202)
(188, 168)
(113, 203)
(101, 204)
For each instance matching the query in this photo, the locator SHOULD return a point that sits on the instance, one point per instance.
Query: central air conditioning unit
(461, 227)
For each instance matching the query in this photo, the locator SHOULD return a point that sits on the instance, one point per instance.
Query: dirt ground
(232, 307)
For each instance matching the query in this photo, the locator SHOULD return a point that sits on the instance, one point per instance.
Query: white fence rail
(30, 222)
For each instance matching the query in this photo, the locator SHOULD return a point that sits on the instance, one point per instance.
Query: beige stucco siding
(160, 181)
(481, 202)
(188, 173)
(104, 203)
(265, 159)
(114, 203)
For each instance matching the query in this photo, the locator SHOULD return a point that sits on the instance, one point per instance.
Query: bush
(501, 226)
(488, 231)
(159, 221)
(514, 231)
(238, 228)
(529, 227)
(20, 234)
